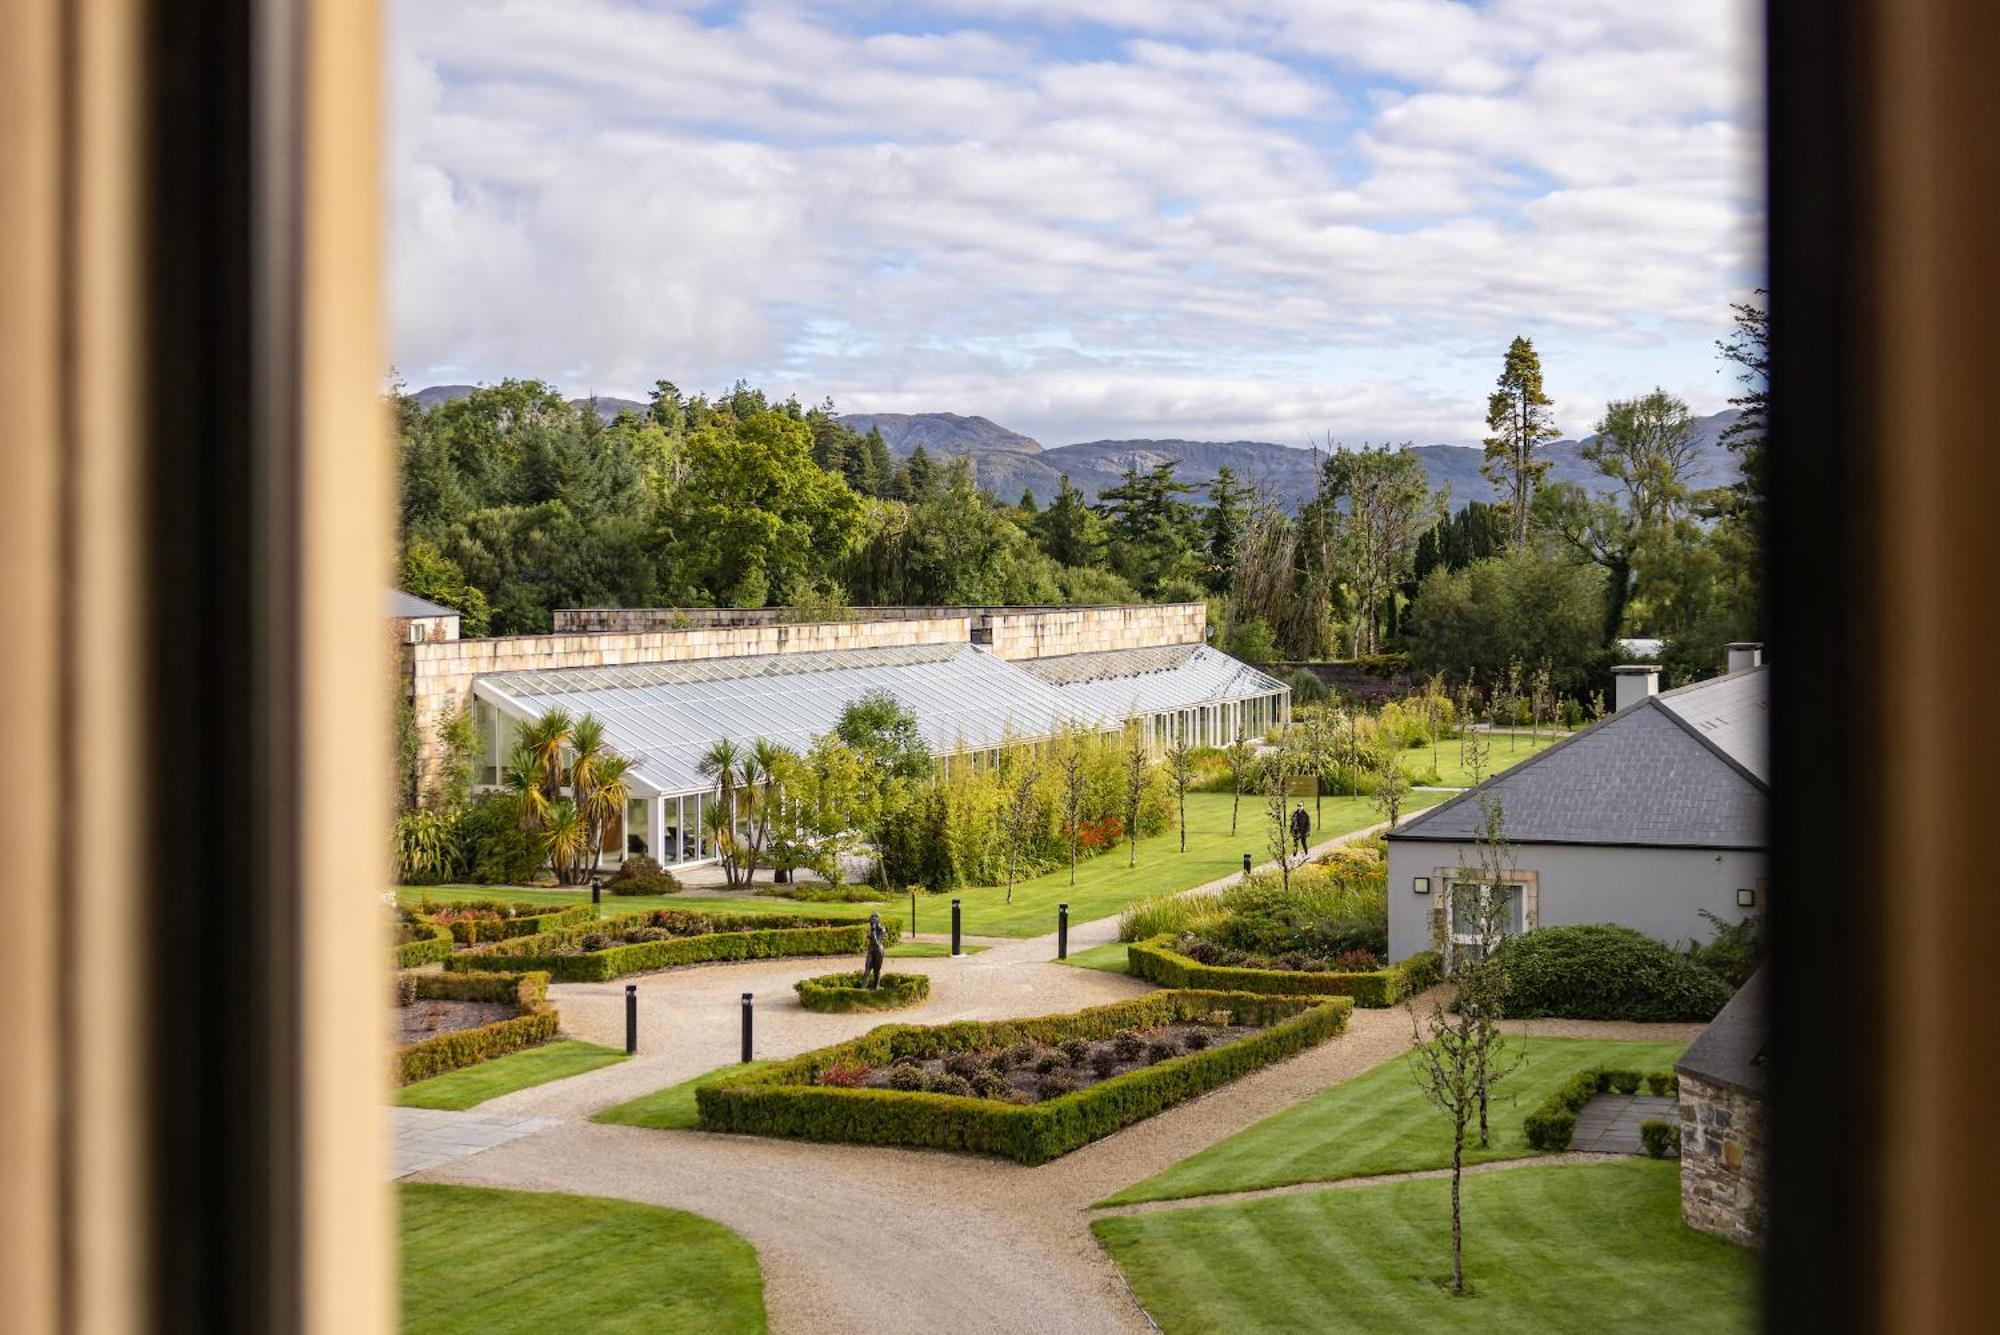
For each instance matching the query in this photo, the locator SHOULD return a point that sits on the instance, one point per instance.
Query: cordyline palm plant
(723, 765)
(603, 801)
(566, 839)
(569, 789)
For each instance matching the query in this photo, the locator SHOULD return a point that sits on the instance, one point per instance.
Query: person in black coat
(1301, 827)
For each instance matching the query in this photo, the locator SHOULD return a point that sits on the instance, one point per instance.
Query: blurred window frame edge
(191, 1134)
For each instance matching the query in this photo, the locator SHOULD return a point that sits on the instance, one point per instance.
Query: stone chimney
(1745, 654)
(1635, 682)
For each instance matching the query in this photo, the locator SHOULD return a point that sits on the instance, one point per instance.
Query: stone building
(668, 683)
(1722, 1121)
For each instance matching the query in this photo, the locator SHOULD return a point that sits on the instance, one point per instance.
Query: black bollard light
(1062, 931)
(596, 890)
(1246, 864)
(913, 913)
(956, 951)
(746, 1026)
(631, 1018)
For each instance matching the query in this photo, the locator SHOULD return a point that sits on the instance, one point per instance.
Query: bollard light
(596, 890)
(747, 998)
(1062, 931)
(913, 913)
(631, 1018)
(956, 949)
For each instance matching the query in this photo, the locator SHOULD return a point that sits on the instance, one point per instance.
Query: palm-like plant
(523, 780)
(723, 764)
(604, 801)
(544, 739)
(565, 837)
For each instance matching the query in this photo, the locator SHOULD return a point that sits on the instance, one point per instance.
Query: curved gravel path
(881, 1240)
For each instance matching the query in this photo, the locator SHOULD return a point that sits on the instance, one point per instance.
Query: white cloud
(1276, 219)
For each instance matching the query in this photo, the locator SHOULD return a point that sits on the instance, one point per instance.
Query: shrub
(1625, 1082)
(493, 846)
(1055, 1084)
(988, 1083)
(419, 941)
(641, 875)
(1104, 1063)
(1658, 1137)
(1732, 953)
(475, 920)
(1553, 1123)
(1662, 1083)
(906, 1075)
(1169, 914)
(944, 1082)
(844, 1075)
(536, 1023)
(1160, 1051)
(967, 1064)
(836, 993)
(1306, 686)
(1020, 1054)
(1050, 1060)
(1076, 1049)
(406, 988)
(783, 1100)
(1159, 961)
(1127, 1045)
(1605, 972)
(1196, 1040)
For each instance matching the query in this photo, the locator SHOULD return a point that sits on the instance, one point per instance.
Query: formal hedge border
(433, 943)
(782, 1100)
(537, 1023)
(1552, 1125)
(471, 932)
(1156, 961)
(737, 937)
(836, 993)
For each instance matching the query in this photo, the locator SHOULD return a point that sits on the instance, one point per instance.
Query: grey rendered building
(1645, 819)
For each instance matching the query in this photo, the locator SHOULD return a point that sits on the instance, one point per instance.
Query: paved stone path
(1609, 1123)
(882, 1240)
(427, 1138)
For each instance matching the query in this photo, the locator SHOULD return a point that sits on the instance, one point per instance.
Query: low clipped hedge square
(525, 922)
(783, 1100)
(837, 993)
(537, 1022)
(425, 941)
(736, 937)
(1552, 1125)
(1157, 961)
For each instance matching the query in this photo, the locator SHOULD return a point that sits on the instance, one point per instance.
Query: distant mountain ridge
(430, 396)
(946, 433)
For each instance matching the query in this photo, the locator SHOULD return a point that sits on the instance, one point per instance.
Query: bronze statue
(871, 966)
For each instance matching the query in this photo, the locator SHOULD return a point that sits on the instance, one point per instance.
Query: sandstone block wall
(1047, 632)
(1722, 1161)
(440, 673)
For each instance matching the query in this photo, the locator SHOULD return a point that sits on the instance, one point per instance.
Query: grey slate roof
(396, 603)
(1686, 769)
(1730, 1052)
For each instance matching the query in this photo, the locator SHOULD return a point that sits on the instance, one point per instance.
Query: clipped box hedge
(428, 941)
(1552, 1124)
(736, 937)
(472, 931)
(836, 993)
(537, 1022)
(1157, 961)
(782, 1100)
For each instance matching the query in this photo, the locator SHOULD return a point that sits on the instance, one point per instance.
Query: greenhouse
(968, 702)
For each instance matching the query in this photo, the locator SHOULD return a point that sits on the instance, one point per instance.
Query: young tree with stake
(1238, 756)
(1136, 761)
(1180, 772)
(1023, 812)
(1277, 783)
(1075, 787)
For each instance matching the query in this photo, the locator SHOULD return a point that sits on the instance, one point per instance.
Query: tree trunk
(1457, 1230)
(1183, 820)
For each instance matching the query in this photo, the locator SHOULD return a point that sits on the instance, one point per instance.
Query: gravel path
(880, 1240)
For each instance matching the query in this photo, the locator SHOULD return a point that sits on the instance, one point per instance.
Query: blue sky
(1290, 220)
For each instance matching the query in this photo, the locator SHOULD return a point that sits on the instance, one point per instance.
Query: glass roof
(664, 716)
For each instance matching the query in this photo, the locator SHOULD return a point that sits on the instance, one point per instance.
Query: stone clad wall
(440, 673)
(1722, 1161)
(1048, 632)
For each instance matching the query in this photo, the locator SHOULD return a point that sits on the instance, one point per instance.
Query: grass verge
(1110, 958)
(1558, 1248)
(672, 1108)
(477, 1261)
(1380, 1123)
(473, 1085)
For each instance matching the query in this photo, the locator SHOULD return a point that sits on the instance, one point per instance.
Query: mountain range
(1008, 463)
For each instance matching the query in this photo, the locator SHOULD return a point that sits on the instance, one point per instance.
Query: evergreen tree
(1228, 509)
(1069, 530)
(1519, 415)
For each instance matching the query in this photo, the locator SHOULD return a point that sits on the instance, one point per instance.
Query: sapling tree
(1238, 756)
(1023, 812)
(1180, 773)
(1542, 697)
(1278, 766)
(1482, 989)
(1392, 783)
(1135, 764)
(1074, 788)
(1478, 754)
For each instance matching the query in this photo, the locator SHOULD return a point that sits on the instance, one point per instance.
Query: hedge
(737, 937)
(537, 1023)
(782, 1100)
(471, 931)
(432, 942)
(1551, 1125)
(1601, 971)
(1157, 962)
(839, 992)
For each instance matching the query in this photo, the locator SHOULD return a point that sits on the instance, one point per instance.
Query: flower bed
(473, 921)
(1550, 1126)
(839, 992)
(666, 939)
(418, 940)
(849, 1092)
(534, 1022)
(1158, 962)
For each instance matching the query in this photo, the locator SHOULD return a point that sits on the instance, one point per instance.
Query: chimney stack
(1635, 682)
(1745, 654)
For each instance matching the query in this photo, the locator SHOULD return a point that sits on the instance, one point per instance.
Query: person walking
(1301, 827)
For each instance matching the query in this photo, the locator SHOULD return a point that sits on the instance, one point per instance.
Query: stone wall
(1047, 632)
(1722, 1161)
(408, 630)
(628, 620)
(440, 673)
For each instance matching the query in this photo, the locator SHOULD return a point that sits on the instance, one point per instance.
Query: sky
(1291, 220)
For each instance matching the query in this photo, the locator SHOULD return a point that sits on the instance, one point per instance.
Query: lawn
(1104, 884)
(1380, 1123)
(467, 1088)
(672, 1108)
(1563, 1247)
(1506, 749)
(1109, 957)
(927, 950)
(483, 1262)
